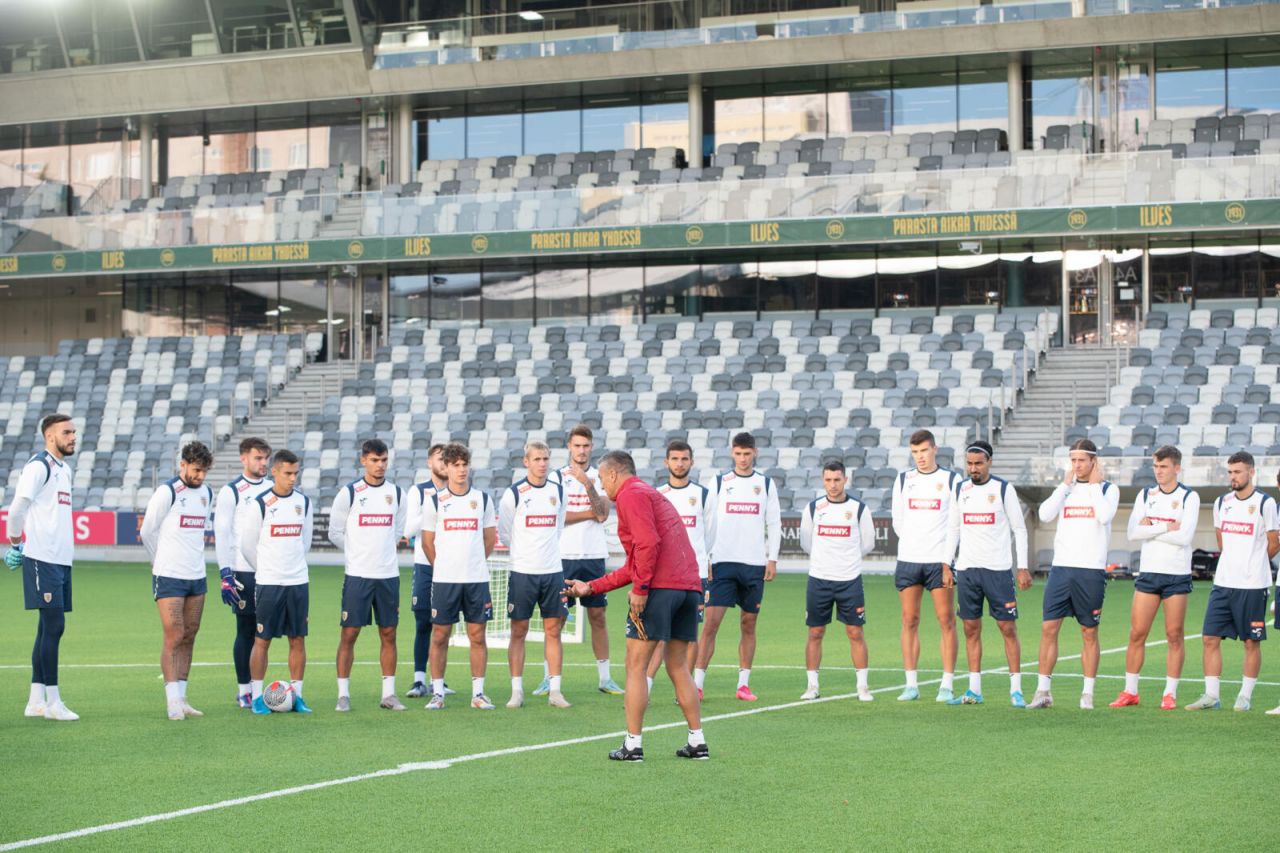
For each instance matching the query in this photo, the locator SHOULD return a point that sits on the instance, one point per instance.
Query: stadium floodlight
(530, 15)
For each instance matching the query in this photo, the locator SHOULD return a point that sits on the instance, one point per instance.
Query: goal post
(498, 630)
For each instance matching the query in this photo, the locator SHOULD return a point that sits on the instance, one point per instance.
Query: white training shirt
(922, 513)
(173, 530)
(48, 526)
(583, 540)
(697, 508)
(275, 535)
(232, 499)
(836, 535)
(748, 520)
(1084, 512)
(530, 522)
(983, 521)
(413, 514)
(366, 523)
(1165, 552)
(1244, 524)
(459, 522)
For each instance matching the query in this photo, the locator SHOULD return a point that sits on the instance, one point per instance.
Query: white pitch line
(412, 767)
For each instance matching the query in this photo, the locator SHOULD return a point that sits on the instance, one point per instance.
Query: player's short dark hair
(284, 457)
(1086, 445)
(618, 460)
(834, 465)
(582, 431)
(922, 436)
(373, 446)
(980, 446)
(438, 447)
(745, 439)
(195, 453)
(254, 443)
(1241, 457)
(455, 452)
(52, 421)
(678, 446)
(1168, 452)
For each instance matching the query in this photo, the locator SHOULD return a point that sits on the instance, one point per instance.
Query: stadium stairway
(345, 221)
(1068, 377)
(283, 414)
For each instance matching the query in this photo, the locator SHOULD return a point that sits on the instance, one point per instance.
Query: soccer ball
(278, 696)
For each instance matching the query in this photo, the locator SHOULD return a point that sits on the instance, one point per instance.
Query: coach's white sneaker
(1086, 701)
(556, 700)
(516, 700)
(60, 712)
(34, 709)
(865, 695)
(810, 694)
(189, 711)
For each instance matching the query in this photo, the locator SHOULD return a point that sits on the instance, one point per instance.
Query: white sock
(437, 686)
(1015, 683)
(1246, 687)
(1042, 682)
(419, 677)
(555, 683)
(1171, 686)
(699, 678)
(37, 694)
(388, 686)
(861, 676)
(51, 694)
(912, 678)
(477, 686)
(171, 691)
(517, 684)
(344, 687)
(744, 677)
(602, 670)
(182, 688)
(948, 681)
(649, 682)
(1131, 683)
(975, 682)
(243, 688)
(812, 675)
(297, 687)
(1088, 685)
(255, 688)
(631, 741)
(1212, 686)
(696, 738)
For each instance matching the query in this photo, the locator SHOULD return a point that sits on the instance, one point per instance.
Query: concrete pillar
(145, 135)
(694, 151)
(1015, 103)
(406, 168)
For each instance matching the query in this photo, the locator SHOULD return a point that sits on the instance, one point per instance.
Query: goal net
(498, 631)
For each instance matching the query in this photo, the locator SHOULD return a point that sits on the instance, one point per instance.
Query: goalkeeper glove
(230, 588)
(13, 557)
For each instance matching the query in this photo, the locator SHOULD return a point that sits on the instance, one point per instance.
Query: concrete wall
(32, 323)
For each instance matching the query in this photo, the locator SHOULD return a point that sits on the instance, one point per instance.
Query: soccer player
(236, 573)
(697, 509)
(921, 513)
(1164, 521)
(583, 546)
(420, 597)
(1084, 504)
(275, 535)
(365, 523)
(41, 511)
(663, 603)
(985, 518)
(836, 532)
(173, 533)
(530, 521)
(458, 534)
(744, 556)
(1245, 522)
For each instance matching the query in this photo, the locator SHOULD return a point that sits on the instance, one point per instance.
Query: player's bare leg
(297, 657)
(171, 613)
(258, 658)
(813, 660)
(479, 663)
(1013, 657)
(387, 659)
(712, 617)
(437, 661)
(1142, 614)
(1048, 660)
(515, 660)
(746, 654)
(973, 644)
(639, 653)
(944, 608)
(192, 612)
(679, 652)
(909, 639)
(1175, 619)
(858, 654)
(347, 637)
(552, 630)
(655, 662)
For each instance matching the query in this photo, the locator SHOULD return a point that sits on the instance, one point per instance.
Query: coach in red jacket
(663, 572)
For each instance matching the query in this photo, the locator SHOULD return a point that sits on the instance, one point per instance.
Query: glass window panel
(334, 135)
(303, 300)
(493, 135)
(1171, 279)
(982, 94)
(787, 116)
(859, 100)
(152, 306)
(322, 22)
(788, 286)
(95, 159)
(617, 293)
(1060, 94)
(255, 297)
(1226, 271)
(254, 26)
(907, 280)
(446, 136)
(1027, 282)
(1270, 274)
(1189, 86)
(969, 282)
(30, 41)
(508, 293)
(614, 126)
(11, 173)
(97, 32)
(229, 153)
(45, 156)
(186, 156)
(730, 288)
(847, 283)
(739, 114)
(410, 296)
(562, 295)
(206, 311)
(672, 289)
(175, 30)
(665, 123)
(552, 126)
(924, 102)
(455, 295)
(1253, 79)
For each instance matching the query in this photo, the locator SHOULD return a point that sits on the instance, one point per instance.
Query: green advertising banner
(840, 230)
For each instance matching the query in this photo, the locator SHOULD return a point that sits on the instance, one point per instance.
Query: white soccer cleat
(60, 712)
(556, 700)
(810, 694)
(516, 700)
(175, 711)
(864, 695)
(1242, 704)
(1042, 699)
(481, 702)
(1086, 701)
(34, 709)
(189, 711)
(436, 703)
(1274, 712)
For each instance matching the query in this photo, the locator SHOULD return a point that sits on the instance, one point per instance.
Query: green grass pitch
(830, 775)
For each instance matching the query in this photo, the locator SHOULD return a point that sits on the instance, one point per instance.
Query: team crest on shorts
(259, 627)
(433, 613)
(240, 604)
(48, 597)
(344, 616)
(414, 601)
(511, 608)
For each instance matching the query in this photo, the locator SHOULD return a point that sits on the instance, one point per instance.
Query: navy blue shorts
(364, 599)
(282, 611)
(421, 596)
(845, 596)
(46, 585)
(736, 585)
(248, 580)
(1236, 614)
(927, 575)
(1165, 586)
(1077, 592)
(669, 614)
(586, 570)
(163, 587)
(546, 592)
(472, 600)
(702, 602)
(994, 586)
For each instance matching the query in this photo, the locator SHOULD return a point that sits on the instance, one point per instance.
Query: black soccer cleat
(624, 754)
(698, 753)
